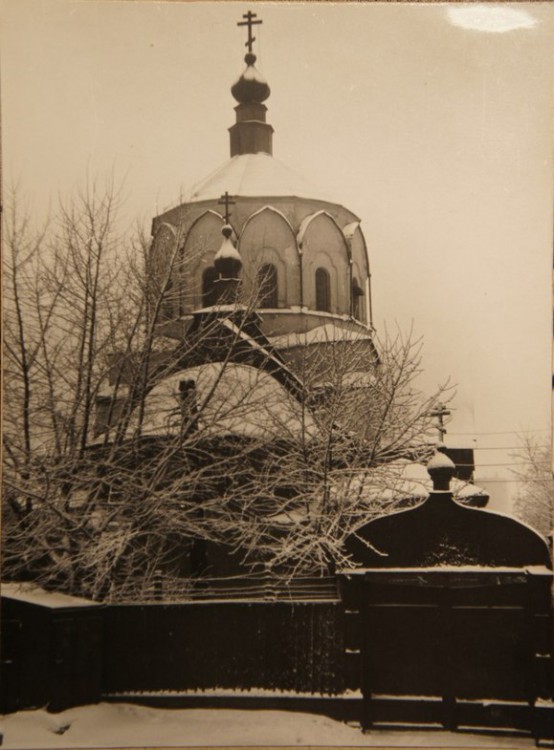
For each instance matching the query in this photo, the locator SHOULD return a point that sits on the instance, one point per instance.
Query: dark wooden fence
(457, 649)
(50, 655)
(278, 646)
(273, 636)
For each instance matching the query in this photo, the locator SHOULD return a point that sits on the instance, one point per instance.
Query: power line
(489, 448)
(481, 480)
(501, 448)
(511, 463)
(509, 432)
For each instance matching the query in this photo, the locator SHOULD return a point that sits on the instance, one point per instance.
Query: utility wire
(510, 432)
(526, 463)
(489, 448)
(484, 480)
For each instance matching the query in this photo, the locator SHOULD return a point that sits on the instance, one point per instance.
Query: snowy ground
(125, 725)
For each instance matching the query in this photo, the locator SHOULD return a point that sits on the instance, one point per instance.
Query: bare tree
(74, 295)
(534, 501)
(360, 416)
(128, 456)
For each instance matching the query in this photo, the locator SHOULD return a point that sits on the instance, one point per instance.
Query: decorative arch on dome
(267, 238)
(161, 258)
(201, 243)
(358, 247)
(361, 271)
(324, 246)
(164, 226)
(163, 245)
(269, 209)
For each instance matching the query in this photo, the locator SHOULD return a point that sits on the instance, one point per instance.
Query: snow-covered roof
(32, 594)
(232, 399)
(401, 480)
(255, 175)
(320, 335)
(241, 334)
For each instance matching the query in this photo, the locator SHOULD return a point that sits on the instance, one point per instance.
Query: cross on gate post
(227, 201)
(249, 22)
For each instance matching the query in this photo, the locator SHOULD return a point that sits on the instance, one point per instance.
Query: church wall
(324, 246)
(359, 307)
(295, 210)
(201, 244)
(268, 229)
(268, 238)
(162, 261)
(359, 255)
(360, 272)
(291, 322)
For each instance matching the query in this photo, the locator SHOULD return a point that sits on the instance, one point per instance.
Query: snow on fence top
(31, 594)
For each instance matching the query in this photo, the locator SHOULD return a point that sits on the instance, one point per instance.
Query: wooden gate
(454, 649)
(453, 612)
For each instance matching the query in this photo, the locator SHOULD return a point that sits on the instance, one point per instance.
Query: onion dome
(441, 470)
(227, 260)
(251, 87)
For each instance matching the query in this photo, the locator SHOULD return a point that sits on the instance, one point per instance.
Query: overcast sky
(431, 122)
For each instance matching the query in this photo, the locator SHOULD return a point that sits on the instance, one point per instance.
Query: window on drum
(322, 290)
(268, 286)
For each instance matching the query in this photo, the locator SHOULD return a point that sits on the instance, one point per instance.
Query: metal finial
(441, 469)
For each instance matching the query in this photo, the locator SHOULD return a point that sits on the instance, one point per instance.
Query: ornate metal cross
(227, 201)
(249, 22)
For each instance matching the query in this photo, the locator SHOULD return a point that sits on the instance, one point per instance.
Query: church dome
(251, 87)
(253, 175)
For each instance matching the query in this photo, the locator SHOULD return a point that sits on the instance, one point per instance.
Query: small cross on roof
(227, 201)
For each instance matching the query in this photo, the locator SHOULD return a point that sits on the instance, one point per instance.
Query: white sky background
(436, 135)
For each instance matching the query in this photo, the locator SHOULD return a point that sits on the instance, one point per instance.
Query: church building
(301, 258)
(259, 269)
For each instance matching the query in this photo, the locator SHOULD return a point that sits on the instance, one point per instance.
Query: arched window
(357, 298)
(209, 295)
(322, 290)
(268, 286)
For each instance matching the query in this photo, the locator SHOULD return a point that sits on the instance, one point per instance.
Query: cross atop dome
(251, 87)
(249, 22)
